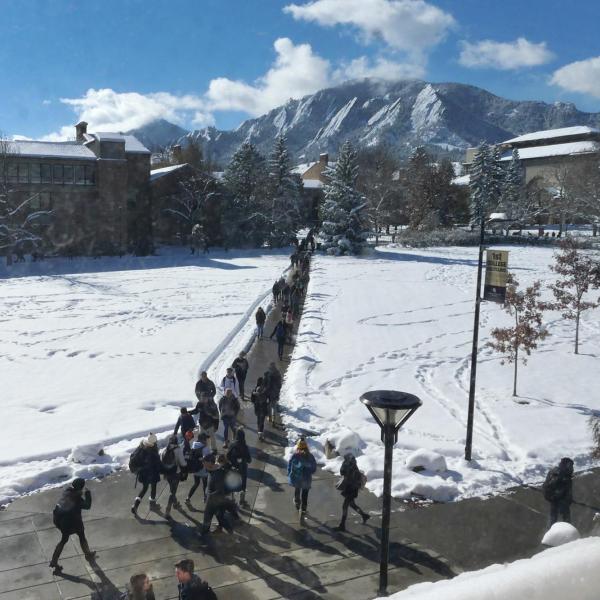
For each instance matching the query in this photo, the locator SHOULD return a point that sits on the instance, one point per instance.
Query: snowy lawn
(109, 349)
(402, 319)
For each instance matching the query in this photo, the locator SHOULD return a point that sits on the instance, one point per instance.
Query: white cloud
(581, 76)
(108, 110)
(504, 55)
(381, 68)
(297, 71)
(410, 26)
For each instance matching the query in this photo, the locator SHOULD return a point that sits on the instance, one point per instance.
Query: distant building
(313, 180)
(96, 186)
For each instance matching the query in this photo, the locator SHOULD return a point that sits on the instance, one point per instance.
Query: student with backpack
(558, 490)
(217, 503)
(230, 382)
(240, 366)
(145, 464)
(273, 382)
(229, 407)
(208, 418)
(200, 451)
(185, 421)
(239, 458)
(301, 467)
(205, 386)
(280, 333)
(261, 318)
(189, 585)
(173, 465)
(350, 484)
(261, 406)
(67, 518)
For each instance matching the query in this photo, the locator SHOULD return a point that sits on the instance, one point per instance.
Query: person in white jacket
(230, 382)
(173, 464)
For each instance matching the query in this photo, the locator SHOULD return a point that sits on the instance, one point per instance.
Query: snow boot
(90, 556)
(57, 569)
(154, 505)
(261, 437)
(136, 503)
(340, 527)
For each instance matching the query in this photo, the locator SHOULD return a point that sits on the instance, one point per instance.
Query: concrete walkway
(269, 555)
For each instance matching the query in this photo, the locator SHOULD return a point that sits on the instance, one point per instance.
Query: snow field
(98, 359)
(402, 319)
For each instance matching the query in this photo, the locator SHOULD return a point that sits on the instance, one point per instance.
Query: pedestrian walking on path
(301, 467)
(67, 518)
(185, 421)
(273, 382)
(349, 486)
(190, 586)
(217, 503)
(230, 382)
(139, 588)
(261, 406)
(240, 366)
(261, 318)
(558, 490)
(173, 465)
(145, 463)
(205, 386)
(239, 458)
(280, 333)
(208, 418)
(200, 451)
(229, 407)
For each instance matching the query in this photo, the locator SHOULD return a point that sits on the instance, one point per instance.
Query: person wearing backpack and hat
(241, 366)
(148, 472)
(200, 451)
(230, 382)
(67, 518)
(185, 421)
(261, 406)
(558, 490)
(349, 486)
(239, 458)
(301, 467)
(173, 464)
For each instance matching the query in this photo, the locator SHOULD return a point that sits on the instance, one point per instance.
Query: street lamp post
(390, 409)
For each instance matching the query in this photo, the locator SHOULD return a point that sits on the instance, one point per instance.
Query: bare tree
(517, 342)
(579, 272)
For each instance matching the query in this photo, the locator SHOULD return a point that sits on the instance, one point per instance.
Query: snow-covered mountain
(158, 134)
(402, 114)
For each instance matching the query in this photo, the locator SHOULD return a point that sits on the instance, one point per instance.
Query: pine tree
(528, 329)
(486, 183)
(513, 191)
(246, 218)
(420, 179)
(342, 228)
(284, 196)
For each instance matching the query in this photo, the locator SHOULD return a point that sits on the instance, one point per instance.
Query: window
(68, 174)
(35, 173)
(90, 175)
(46, 173)
(57, 174)
(23, 173)
(79, 175)
(12, 173)
(40, 201)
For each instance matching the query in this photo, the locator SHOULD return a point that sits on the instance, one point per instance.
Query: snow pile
(571, 571)
(559, 534)
(427, 460)
(402, 319)
(345, 440)
(97, 353)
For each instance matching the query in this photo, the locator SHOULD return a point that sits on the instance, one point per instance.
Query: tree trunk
(577, 333)
(515, 374)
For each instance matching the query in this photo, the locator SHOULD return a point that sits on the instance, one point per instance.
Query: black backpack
(63, 509)
(136, 460)
(195, 460)
(168, 459)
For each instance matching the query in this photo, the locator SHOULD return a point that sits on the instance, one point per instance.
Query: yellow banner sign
(496, 274)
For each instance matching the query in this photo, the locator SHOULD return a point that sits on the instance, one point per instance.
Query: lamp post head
(390, 408)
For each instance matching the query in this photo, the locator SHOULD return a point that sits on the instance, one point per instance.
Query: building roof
(132, 144)
(548, 134)
(302, 168)
(29, 148)
(158, 173)
(566, 149)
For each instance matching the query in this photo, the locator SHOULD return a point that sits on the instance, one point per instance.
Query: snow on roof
(312, 183)
(302, 168)
(462, 180)
(565, 149)
(552, 133)
(158, 173)
(132, 144)
(30, 148)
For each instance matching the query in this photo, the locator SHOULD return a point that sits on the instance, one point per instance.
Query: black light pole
(391, 409)
(469, 439)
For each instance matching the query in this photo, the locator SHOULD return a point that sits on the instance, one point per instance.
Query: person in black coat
(261, 318)
(558, 490)
(67, 518)
(205, 386)
(349, 488)
(280, 333)
(216, 501)
(239, 458)
(273, 382)
(149, 472)
(261, 406)
(240, 366)
(190, 586)
(185, 421)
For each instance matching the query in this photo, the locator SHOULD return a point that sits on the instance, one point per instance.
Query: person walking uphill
(558, 490)
(229, 407)
(239, 458)
(349, 486)
(200, 451)
(230, 382)
(208, 417)
(67, 518)
(261, 318)
(280, 333)
(300, 470)
(261, 406)
(240, 366)
(185, 421)
(145, 464)
(205, 386)
(173, 464)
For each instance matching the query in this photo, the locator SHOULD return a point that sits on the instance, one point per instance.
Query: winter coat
(195, 589)
(279, 332)
(352, 478)
(216, 482)
(231, 383)
(151, 466)
(229, 406)
(562, 485)
(186, 422)
(261, 317)
(208, 414)
(172, 468)
(300, 470)
(273, 383)
(200, 451)
(240, 366)
(239, 454)
(260, 400)
(67, 512)
(205, 387)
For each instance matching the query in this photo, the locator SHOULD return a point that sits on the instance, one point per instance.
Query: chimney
(80, 130)
(324, 159)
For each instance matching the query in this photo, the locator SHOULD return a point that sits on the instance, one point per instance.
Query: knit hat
(150, 440)
(78, 483)
(301, 445)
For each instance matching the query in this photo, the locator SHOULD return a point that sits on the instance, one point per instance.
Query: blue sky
(121, 63)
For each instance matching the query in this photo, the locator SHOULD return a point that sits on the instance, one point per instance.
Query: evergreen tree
(486, 183)
(342, 227)
(420, 175)
(284, 196)
(245, 219)
(513, 193)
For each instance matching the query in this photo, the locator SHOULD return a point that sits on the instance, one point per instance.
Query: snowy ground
(109, 349)
(402, 319)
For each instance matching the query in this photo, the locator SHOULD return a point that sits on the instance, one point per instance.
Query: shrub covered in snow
(427, 460)
(560, 533)
(437, 237)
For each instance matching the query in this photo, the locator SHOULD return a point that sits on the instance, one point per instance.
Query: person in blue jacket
(280, 333)
(300, 470)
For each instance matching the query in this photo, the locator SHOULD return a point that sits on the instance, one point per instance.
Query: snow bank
(559, 534)
(571, 571)
(426, 460)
